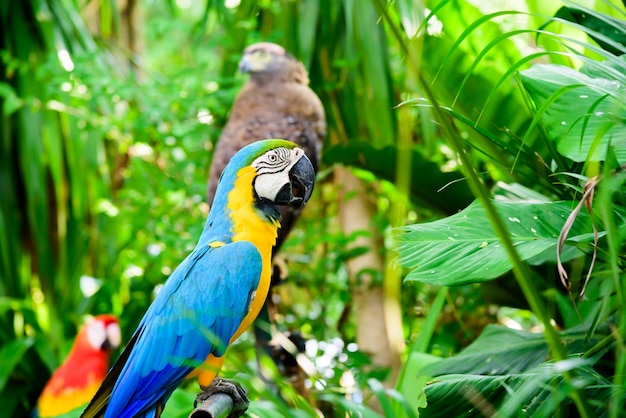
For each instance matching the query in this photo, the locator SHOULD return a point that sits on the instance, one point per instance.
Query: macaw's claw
(227, 387)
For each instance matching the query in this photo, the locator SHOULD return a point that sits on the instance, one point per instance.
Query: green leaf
(373, 72)
(10, 355)
(412, 16)
(355, 409)
(381, 395)
(411, 382)
(180, 404)
(454, 395)
(504, 361)
(537, 392)
(463, 248)
(421, 343)
(602, 24)
(498, 350)
(583, 115)
(308, 13)
(447, 192)
(10, 100)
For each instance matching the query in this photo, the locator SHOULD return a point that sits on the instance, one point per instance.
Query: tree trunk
(373, 335)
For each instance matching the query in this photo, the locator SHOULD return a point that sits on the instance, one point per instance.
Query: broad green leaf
(537, 392)
(541, 391)
(502, 350)
(463, 248)
(583, 115)
(453, 395)
(506, 357)
(498, 350)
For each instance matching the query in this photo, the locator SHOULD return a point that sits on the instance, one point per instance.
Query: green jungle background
(463, 252)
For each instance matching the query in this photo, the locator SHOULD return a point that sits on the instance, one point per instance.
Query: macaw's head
(265, 61)
(267, 174)
(100, 333)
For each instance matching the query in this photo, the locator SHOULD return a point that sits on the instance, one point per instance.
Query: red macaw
(75, 382)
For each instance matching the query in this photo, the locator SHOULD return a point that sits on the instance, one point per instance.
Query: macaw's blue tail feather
(98, 406)
(147, 396)
(134, 409)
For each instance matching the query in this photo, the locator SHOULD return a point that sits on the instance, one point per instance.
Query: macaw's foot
(211, 399)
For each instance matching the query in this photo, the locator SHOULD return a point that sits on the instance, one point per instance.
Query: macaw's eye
(273, 161)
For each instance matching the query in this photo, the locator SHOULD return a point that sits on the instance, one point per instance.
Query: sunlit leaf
(463, 248)
(583, 116)
(412, 16)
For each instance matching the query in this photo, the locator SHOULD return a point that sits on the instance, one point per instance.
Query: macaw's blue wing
(195, 314)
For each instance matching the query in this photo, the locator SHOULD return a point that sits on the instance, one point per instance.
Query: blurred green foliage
(106, 146)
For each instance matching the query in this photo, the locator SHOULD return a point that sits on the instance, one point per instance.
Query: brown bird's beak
(253, 63)
(300, 187)
(245, 65)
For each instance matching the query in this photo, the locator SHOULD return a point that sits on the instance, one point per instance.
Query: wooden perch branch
(218, 405)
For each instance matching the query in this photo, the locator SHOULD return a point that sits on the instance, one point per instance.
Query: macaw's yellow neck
(250, 225)
(247, 225)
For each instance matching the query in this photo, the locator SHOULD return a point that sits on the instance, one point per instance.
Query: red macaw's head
(75, 382)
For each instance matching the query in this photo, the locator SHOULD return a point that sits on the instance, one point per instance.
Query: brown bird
(276, 102)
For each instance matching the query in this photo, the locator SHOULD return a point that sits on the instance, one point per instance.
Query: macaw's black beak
(106, 345)
(300, 187)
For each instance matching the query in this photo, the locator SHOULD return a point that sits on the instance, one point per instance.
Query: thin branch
(218, 405)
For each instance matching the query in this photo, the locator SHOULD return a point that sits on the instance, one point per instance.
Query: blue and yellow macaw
(217, 291)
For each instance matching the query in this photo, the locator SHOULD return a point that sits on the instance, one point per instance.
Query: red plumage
(75, 382)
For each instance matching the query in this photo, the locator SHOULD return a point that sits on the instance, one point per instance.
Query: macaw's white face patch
(98, 334)
(114, 334)
(273, 170)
